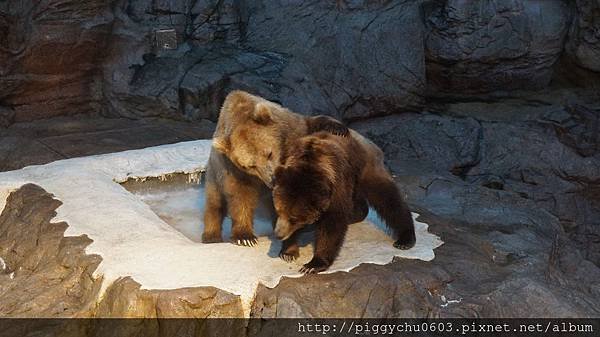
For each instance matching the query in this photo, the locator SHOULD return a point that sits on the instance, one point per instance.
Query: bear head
(250, 133)
(302, 189)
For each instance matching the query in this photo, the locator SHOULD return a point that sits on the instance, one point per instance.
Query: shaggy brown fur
(251, 135)
(327, 181)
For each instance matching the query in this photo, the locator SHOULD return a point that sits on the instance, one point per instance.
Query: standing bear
(251, 135)
(328, 181)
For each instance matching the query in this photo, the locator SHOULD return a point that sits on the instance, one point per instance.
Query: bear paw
(211, 238)
(315, 265)
(247, 240)
(405, 244)
(289, 256)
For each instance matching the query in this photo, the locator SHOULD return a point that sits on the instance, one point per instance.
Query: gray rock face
(483, 46)
(348, 59)
(271, 49)
(367, 57)
(584, 37)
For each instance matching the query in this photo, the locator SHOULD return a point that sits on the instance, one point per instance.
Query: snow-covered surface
(167, 254)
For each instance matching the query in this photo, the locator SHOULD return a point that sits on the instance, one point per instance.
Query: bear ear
(221, 144)
(262, 114)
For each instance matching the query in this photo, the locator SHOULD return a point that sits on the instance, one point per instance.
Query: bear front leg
(290, 249)
(328, 241)
(242, 200)
(214, 212)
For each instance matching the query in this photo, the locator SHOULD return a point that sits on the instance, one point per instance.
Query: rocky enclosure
(488, 112)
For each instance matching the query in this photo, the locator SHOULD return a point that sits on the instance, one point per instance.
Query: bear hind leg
(384, 196)
(360, 209)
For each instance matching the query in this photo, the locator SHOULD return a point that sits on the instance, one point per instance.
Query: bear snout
(282, 229)
(268, 178)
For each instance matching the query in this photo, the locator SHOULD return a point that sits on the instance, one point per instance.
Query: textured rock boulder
(584, 37)
(189, 82)
(350, 59)
(45, 274)
(367, 57)
(483, 46)
(345, 67)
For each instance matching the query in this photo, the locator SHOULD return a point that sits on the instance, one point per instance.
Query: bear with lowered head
(330, 181)
(251, 135)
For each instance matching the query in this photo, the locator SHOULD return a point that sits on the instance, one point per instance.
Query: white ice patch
(155, 238)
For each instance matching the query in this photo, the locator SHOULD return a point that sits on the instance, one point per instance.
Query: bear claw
(247, 242)
(314, 266)
(287, 257)
(404, 245)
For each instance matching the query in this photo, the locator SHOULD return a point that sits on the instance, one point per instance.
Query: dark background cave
(488, 112)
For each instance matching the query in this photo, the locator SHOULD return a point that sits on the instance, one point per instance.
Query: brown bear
(250, 137)
(328, 181)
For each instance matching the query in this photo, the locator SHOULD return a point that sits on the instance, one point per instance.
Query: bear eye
(270, 155)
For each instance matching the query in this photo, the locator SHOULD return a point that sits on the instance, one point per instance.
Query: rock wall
(50, 55)
(584, 36)
(349, 59)
(483, 46)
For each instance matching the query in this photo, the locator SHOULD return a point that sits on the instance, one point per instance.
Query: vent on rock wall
(166, 39)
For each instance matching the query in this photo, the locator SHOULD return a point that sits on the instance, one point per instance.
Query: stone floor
(44, 141)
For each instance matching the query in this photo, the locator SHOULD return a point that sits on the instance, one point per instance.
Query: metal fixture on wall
(166, 38)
